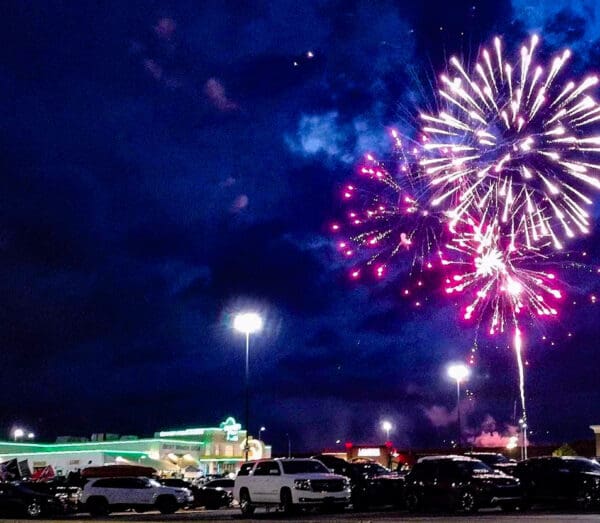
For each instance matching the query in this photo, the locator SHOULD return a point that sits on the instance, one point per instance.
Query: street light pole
(458, 413)
(247, 413)
(458, 372)
(247, 323)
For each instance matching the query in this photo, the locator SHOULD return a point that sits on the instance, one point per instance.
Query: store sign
(369, 453)
(231, 429)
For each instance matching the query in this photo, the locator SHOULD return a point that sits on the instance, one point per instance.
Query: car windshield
(492, 459)
(303, 466)
(372, 469)
(584, 465)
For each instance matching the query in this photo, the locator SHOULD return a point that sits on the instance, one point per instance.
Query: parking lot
(382, 515)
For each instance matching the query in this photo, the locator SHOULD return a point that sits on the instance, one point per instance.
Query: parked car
(289, 484)
(216, 494)
(371, 484)
(18, 500)
(100, 496)
(496, 461)
(212, 495)
(459, 483)
(69, 497)
(569, 480)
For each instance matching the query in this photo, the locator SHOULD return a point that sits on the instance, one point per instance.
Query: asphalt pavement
(388, 516)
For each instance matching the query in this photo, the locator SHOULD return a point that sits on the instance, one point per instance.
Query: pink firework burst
(497, 279)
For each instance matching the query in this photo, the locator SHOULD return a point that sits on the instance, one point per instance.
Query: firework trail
(513, 142)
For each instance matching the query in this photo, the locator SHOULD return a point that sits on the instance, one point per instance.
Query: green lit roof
(84, 446)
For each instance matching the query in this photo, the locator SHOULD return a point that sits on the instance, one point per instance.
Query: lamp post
(247, 323)
(18, 433)
(387, 426)
(30, 435)
(458, 372)
(260, 431)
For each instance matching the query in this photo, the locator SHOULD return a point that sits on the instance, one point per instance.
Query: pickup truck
(289, 484)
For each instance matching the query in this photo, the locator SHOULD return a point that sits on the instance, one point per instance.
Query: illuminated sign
(186, 432)
(369, 453)
(231, 429)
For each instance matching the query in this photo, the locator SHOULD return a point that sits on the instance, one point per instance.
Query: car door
(141, 491)
(273, 485)
(260, 482)
(8, 501)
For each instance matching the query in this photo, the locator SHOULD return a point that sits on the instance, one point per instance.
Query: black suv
(560, 480)
(459, 483)
(372, 484)
(496, 461)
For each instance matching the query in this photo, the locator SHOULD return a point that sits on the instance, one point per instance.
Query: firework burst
(498, 279)
(512, 142)
(387, 215)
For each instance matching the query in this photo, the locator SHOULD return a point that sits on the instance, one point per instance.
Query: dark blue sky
(166, 163)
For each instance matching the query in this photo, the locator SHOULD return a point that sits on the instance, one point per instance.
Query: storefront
(193, 451)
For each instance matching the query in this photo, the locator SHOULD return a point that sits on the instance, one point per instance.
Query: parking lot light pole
(387, 427)
(458, 372)
(247, 323)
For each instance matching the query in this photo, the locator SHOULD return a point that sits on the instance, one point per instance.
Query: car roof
(446, 458)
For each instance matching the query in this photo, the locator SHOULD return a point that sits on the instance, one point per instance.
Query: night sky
(165, 164)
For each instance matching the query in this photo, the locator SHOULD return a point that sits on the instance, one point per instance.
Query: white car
(102, 495)
(289, 484)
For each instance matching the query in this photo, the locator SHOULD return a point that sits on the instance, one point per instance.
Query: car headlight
(347, 484)
(302, 484)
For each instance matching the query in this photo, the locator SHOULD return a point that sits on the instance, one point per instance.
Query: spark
(525, 135)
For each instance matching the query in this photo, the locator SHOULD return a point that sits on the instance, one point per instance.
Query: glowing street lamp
(247, 323)
(260, 431)
(30, 435)
(387, 426)
(18, 433)
(458, 372)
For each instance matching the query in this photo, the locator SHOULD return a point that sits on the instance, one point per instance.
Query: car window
(473, 467)
(304, 466)
(105, 483)
(372, 469)
(223, 483)
(581, 465)
(245, 469)
(263, 468)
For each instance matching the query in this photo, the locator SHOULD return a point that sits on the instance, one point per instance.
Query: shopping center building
(192, 452)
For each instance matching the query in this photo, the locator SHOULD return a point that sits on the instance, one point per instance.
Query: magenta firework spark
(516, 141)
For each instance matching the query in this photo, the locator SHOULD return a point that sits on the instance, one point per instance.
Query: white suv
(102, 495)
(289, 484)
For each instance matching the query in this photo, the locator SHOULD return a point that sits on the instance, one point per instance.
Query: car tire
(412, 502)
(97, 506)
(33, 510)
(287, 504)
(466, 502)
(510, 507)
(246, 506)
(167, 505)
(584, 500)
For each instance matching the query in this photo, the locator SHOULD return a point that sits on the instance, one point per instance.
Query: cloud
(215, 92)
(319, 134)
(440, 416)
(165, 28)
(562, 22)
(491, 436)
